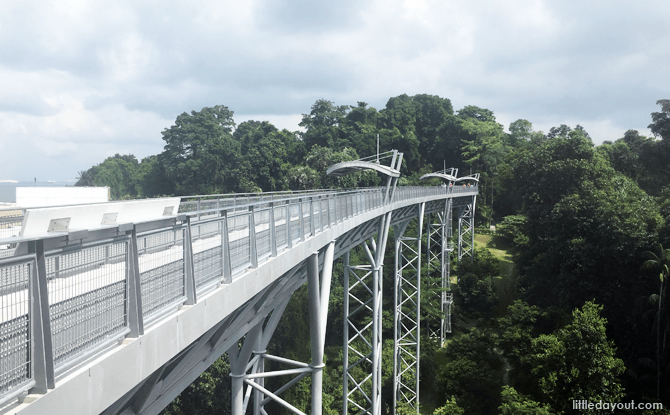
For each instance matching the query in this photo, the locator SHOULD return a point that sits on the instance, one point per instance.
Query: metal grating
(10, 222)
(294, 210)
(15, 358)
(161, 270)
(280, 214)
(306, 211)
(207, 252)
(262, 225)
(87, 291)
(240, 250)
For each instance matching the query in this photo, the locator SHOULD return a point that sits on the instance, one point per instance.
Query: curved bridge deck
(120, 318)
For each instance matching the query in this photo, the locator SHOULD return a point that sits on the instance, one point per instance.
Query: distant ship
(9, 181)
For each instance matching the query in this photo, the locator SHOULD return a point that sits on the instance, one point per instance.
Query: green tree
(117, 173)
(514, 403)
(661, 264)
(470, 369)
(149, 178)
(586, 224)
(201, 156)
(513, 232)
(517, 328)
(660, 126)
(450, 408)
(265, 153)
(641, 158)
(208, 395)
(322, 125)
(359, 129)
(475, 282)
(521, 132)
(577, 362)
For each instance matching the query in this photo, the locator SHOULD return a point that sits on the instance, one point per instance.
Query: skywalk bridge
(119, 316)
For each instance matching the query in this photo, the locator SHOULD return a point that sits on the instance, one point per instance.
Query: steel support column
(363, 327)
(257, 339)
(407, 313)
(438, 257)
(466, 230)
(319, 295)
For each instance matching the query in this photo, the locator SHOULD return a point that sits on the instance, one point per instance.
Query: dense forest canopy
(587, 226)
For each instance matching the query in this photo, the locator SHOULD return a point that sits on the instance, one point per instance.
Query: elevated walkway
(119, 316)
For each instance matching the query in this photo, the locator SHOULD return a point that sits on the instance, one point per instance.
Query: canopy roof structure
(474, 177)
(368, 163)
(446, 174)
(450, 175)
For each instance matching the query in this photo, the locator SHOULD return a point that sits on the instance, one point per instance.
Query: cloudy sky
(83, 80)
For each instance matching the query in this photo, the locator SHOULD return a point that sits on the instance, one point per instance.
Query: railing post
(227, 266)
(189, 259)
(289, 227)
(253, 252)
(134, 298)
(328, 199)
(273, 235)
(43, 342)
(302, 221)
(37, 352)
(312, 225)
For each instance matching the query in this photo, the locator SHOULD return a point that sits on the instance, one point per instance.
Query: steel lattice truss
(363, 328)
(258, 338)
(407, 294)
(446, 321)
(437, 254)
(466, 230)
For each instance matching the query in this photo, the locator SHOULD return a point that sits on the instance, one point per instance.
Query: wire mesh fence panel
(323, 214)
(281, 226)
(15, 355)
(188, 206)
(207, 252)
(87, 292)
(294, 210)
(316, 215)
(161, 263)
(7, 250)
(306, 213)
(10, 223)
(239, 241)
(332, 206)
(209, 204)
(262, 224)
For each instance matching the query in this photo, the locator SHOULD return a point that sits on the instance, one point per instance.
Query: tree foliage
(200, 155)
(578, 217)
(577, 362)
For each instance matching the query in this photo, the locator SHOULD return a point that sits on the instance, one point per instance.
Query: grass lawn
(506, 283)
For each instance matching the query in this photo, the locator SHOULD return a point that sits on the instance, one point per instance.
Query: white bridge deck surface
(65, 288)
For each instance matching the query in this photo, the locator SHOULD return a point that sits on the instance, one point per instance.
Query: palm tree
(661, 263)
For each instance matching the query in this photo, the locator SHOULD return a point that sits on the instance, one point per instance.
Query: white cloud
(289, 122)
(84, 80)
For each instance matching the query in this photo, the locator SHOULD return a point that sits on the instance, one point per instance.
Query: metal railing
(10, 221)
(10, 226)
(98, 291)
